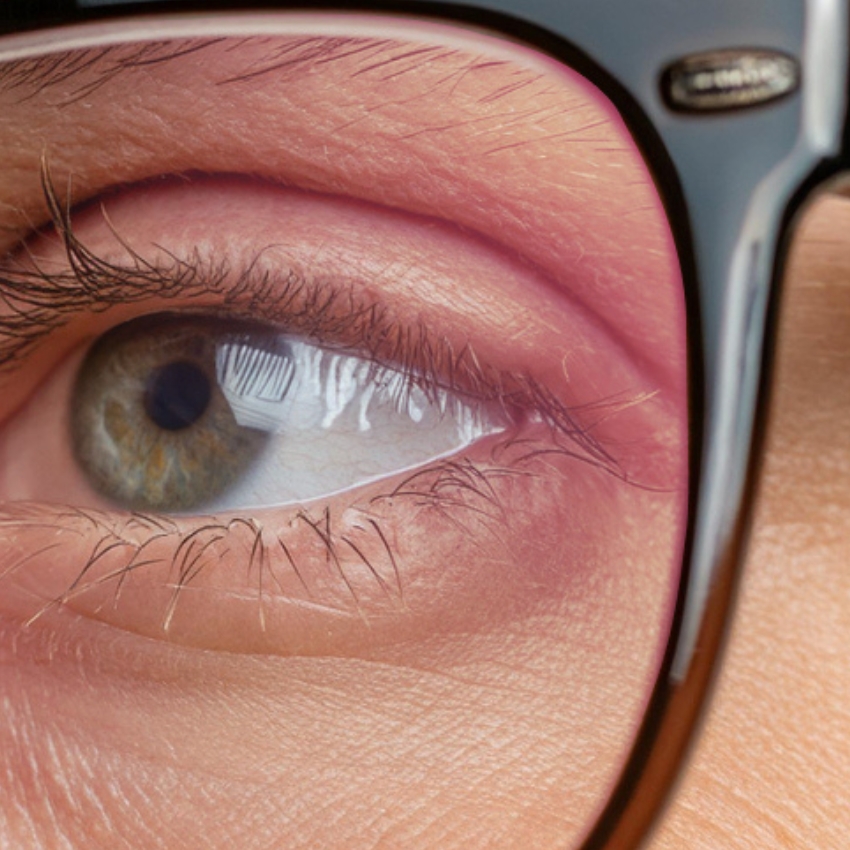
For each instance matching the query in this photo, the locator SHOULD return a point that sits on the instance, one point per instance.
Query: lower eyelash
(449, 487)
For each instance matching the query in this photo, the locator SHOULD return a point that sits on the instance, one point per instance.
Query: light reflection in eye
(187, 414)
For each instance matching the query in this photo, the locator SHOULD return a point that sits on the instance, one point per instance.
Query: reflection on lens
(447, 617)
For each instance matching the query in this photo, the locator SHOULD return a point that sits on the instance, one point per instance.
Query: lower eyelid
(457, 545)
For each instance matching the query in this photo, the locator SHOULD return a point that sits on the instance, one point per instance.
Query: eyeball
(178, 414)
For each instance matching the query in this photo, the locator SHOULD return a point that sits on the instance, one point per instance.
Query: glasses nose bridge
(741, 172)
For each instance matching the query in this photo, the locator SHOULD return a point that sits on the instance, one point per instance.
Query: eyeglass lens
(344, 377)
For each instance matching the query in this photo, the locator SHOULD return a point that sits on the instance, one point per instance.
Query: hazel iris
(150, 427)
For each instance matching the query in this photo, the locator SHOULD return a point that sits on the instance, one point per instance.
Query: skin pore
(437, 660)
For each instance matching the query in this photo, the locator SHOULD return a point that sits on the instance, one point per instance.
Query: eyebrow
(35, 76)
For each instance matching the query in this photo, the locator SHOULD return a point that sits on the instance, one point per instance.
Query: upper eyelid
(40, 301)
(338, 315)
(565, 236)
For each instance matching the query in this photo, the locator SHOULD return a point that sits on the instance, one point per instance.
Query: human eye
(329, 348)
(180, 412)
(174, 413)
(499, 422)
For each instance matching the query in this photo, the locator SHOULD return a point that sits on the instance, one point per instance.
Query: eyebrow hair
(35, 76)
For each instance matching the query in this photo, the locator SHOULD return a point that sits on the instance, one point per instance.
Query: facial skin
(466, 673)
(772, 767)
(110, 738)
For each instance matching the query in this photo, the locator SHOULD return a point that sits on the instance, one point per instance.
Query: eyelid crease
(39, 302)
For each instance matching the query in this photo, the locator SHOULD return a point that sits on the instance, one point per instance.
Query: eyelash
(39, 302)
(448, 487)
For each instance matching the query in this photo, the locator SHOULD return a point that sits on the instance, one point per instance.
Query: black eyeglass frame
(731, 183)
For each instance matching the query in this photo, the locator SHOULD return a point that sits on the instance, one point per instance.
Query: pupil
(177, 395)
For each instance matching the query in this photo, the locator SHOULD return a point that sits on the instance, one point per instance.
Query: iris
(151, 428)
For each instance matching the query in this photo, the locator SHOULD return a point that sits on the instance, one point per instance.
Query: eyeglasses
(411, 338)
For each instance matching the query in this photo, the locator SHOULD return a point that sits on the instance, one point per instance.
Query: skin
(116, 731)
(772, 766)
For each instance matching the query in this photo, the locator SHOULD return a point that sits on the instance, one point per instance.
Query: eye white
(337, 420)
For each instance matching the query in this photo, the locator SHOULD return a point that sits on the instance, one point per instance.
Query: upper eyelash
(39, 302)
